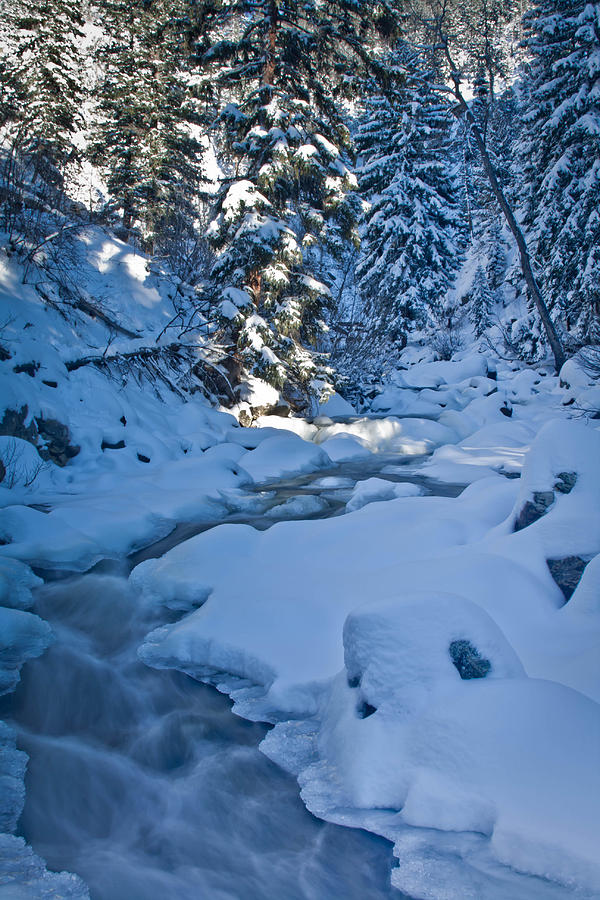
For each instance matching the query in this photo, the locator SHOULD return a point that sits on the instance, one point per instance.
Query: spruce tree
(411, 246)
(142, 139)
(496, 256)
(560, 155)
(481, 302)
(42, 82)
(284, 207)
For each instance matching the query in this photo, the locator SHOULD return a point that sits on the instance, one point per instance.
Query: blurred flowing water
(145, 783)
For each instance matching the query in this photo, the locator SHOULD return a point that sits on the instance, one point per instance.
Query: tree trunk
(551, 334)
(268, 75)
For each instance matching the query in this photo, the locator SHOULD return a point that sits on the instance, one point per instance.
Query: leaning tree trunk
(551, 333)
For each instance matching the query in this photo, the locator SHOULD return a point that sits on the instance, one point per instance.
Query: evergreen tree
(285, 207)
(46, 63)
(411, 248)
(481, 302)
(560, 157)
(143, 139)
(41, 96)
(496, 256)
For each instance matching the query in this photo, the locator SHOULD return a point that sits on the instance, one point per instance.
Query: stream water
(143, 782)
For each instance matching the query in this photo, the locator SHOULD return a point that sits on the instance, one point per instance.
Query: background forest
(327, 184)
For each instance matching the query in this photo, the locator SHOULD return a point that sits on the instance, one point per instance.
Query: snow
(22, 636)
(379, 489)
(297, 508)
(285, 454)
(344, 447)
(335, 405)
(340, 630)
(351, 655)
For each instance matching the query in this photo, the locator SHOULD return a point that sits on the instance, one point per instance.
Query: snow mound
(297, 508)
(280, 455)
(345, 448)
(373, 489)
(434, 721)
(335, 405)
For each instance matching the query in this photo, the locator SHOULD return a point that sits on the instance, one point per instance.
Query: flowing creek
(143, 782)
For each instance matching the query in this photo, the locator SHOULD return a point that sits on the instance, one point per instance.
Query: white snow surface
(339, 630)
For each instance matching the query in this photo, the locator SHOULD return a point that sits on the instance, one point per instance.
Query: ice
(13, 763)
(297, 508)
(23, 875)
(332, 482)
(16, 583)
(22, 636)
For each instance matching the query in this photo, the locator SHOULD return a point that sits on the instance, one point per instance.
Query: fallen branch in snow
(174, 355)
(84, 306)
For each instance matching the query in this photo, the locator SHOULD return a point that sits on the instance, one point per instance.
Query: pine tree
(481, 302)
(283, 72)
(42, 92)
(142, 139)
(496, 256)
(560, 157)
(411, 248)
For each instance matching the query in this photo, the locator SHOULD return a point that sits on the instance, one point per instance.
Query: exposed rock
(506, 410)
(29, 368)
(245, 417)
(534, 509)
(298, 401)
(567, 573)
(118, 445)
(57, 440)
(468, 661)
(142, 458)
(565, 482)
(56, 437)
(364, 710)
(13, 425)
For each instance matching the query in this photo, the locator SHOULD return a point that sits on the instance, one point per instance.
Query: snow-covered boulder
(373, 489)
(283, 454)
